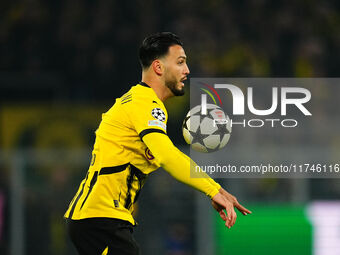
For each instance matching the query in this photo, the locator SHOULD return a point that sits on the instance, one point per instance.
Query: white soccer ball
(206, 133)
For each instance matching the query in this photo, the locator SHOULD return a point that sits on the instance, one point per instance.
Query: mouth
(182, 80)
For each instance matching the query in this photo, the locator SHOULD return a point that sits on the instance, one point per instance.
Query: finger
(235, 217)
(229, 217)
(242, 209)
(223, 215)
(227, 222)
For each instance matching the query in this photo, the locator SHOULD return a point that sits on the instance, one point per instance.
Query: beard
(171, 84)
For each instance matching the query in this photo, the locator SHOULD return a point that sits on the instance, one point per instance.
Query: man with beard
(131, 142)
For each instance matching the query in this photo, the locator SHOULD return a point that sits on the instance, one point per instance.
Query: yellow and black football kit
(131, 142)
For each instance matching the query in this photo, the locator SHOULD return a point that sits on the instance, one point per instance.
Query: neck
(162, 91)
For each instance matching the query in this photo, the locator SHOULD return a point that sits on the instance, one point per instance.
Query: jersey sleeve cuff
(217, 185)
(213, 193)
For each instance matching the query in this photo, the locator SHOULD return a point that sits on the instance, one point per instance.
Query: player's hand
(220, 203)
(233, 200)
(225, 201)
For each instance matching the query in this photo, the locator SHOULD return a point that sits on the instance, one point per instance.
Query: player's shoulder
(141, 96)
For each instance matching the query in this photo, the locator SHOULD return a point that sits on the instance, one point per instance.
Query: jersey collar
(147, 86)
(144, 84)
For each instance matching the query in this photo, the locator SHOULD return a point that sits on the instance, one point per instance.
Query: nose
(186, 70)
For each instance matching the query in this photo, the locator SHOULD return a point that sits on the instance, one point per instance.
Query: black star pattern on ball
(185, 125)
(222, 129)
(197, 137)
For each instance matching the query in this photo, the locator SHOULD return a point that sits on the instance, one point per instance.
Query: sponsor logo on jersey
(157, 123)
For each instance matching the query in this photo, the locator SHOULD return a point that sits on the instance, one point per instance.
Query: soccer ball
(206, 133)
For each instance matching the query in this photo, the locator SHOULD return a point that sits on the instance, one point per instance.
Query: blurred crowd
(81, 51)
(88, 49)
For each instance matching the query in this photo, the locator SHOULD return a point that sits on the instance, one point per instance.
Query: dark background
(62, 64)
(87, 50)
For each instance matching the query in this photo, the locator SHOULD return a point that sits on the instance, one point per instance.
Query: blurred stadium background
(62, 63)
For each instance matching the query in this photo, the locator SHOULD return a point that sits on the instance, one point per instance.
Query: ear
(157, 67)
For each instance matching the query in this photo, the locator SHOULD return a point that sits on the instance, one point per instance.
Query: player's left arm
(149, 120)
(201, 174)
(178, 165)
(173, 161)
(229, 197)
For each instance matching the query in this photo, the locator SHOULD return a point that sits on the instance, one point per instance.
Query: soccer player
(131, 142)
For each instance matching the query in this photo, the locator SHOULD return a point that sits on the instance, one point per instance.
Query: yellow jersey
(121, 161)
